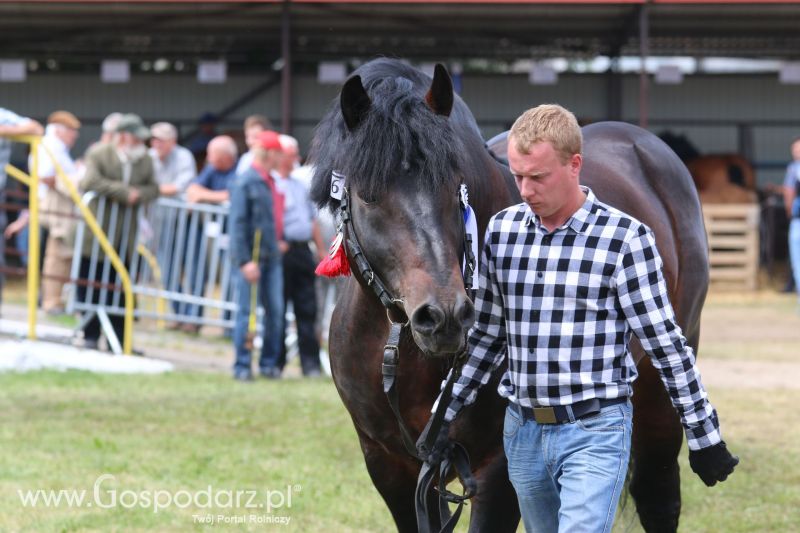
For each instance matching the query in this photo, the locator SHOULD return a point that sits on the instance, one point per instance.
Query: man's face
(126, 140)
(544, 182)
(68, 136)
(220, 159)
(287, 161)
(796, 150)
(251, 135)
(163, 147)
(274, 160)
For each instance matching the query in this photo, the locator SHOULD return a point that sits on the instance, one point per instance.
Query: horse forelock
(399, 138)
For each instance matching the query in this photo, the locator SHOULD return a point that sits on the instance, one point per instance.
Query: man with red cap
(257, 208)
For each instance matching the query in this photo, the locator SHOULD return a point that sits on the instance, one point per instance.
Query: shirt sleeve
(486, 341)
(9, 118)
(790, 178)
(644, 300)
(204, 178)
(186, 171)
(45, 169)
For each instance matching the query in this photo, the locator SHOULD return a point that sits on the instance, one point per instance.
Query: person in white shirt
(60, 135)
(173, 164)
(253, 126)
(56, 204)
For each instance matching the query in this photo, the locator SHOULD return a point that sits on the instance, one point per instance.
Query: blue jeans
(270, 294)
(568, 477)
(794, 251)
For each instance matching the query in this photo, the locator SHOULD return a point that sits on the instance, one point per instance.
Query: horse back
(634, 171)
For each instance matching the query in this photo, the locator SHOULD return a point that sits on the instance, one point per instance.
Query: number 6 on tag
(337, 185)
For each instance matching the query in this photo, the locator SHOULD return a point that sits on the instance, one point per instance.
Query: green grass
(185, 431)
(179, 432)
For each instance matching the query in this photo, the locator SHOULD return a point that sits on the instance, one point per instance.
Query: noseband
(456, 457)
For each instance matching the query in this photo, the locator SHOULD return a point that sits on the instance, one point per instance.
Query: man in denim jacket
(254, 202)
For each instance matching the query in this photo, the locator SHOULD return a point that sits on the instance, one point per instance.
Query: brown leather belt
(559, 414)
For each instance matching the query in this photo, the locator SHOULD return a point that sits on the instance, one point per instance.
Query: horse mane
(399, 138)
(680, 144)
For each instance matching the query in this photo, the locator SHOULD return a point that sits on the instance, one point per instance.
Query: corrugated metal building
(63, 44)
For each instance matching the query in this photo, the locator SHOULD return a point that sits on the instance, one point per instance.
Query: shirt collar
(579, 220)
(54, 142)
(262, 171)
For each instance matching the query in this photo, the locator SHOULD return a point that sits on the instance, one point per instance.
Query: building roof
(70, 36)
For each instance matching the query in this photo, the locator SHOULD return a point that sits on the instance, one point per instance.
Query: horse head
(403, 163)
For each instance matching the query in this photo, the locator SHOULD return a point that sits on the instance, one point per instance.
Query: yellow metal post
(33, 239)
(116, 262)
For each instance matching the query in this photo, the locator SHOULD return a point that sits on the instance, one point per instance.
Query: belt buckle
(544, 415)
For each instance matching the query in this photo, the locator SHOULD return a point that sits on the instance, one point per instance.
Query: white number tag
(337, 185)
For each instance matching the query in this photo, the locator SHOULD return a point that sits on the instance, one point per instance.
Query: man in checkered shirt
(564, 279)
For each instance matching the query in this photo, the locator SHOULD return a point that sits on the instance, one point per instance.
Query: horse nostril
(427, 318)
(465, 313)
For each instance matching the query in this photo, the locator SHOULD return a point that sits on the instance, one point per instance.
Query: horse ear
(355, 102)
(440, 95)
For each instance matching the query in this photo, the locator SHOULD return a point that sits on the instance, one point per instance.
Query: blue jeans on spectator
(794, 251)
(569, 477)
(270, 294)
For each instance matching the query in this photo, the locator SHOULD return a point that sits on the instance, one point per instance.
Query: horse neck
(491, 187)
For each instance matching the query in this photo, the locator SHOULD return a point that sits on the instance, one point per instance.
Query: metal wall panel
(706, 108)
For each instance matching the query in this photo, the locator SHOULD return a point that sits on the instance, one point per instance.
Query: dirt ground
(749, 340)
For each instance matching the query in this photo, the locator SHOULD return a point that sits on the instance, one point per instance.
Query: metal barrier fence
(170, 251)
(32, 182)
(176, 253)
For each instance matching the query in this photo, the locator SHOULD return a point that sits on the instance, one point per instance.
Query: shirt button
(538, 274)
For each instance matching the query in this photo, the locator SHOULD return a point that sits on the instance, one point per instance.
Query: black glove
(441, 446)
(713, 464)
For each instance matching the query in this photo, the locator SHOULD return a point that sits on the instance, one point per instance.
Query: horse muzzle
(440, 330)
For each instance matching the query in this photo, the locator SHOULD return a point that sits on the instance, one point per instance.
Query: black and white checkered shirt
(563, 306)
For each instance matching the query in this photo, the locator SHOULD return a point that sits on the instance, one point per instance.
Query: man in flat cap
(59, 138)
(122, 172)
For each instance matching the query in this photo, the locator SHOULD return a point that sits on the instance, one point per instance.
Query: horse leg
(657, 438)
(494, 507)
(395, 477)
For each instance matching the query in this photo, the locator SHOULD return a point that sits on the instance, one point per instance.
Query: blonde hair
(548, 123)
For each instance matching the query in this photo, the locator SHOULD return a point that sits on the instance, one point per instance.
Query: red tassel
(336, 263)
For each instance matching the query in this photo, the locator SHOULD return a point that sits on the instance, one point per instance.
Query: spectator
(211, 186)
(253, 126)
(299, 228)
(173, 164)
(213, 183)
(60, 135)
(122, 172)
(10, 124)
(110, 124)
(252, 202)
(791, 198)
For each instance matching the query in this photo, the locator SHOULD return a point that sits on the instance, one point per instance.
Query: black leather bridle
(455, 458)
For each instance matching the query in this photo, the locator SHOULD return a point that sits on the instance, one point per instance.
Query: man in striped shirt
(564, 281)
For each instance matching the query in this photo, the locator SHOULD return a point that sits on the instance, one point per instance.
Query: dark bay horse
(405, 143)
